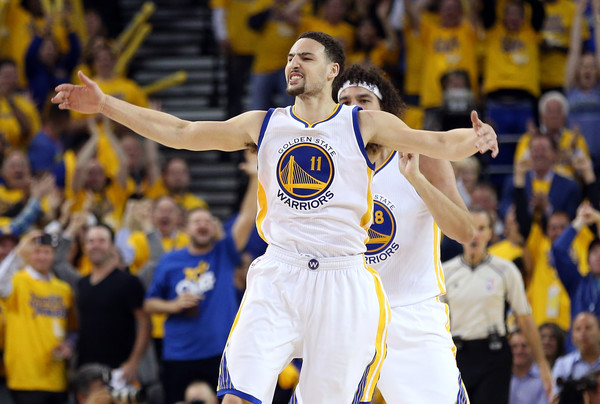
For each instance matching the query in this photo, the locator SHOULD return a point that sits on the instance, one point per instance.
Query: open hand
(87, 99)
(487, 138)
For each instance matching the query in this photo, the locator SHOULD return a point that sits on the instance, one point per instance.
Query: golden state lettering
(381, 244)
(305, 172)
(50, 306)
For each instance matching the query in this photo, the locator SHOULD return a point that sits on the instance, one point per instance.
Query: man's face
(513, 17)
(594, 259)
(549, 342)
(104, 62)
(133, 150)
(553, 116)
(201, 228)
(96, 179)
(542, 154)
(307, 69)
(98, 245)
(8, 79)
(450, 13)
(585, 333)
(360, 96)
(557, 223)
(522, 354)
(483, 235)
(177, 177)
(6, 246)
(165, 215)
(16, 171)
(41, 258)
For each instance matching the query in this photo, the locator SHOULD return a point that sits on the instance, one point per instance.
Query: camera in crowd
(573, 390)
(94, 376)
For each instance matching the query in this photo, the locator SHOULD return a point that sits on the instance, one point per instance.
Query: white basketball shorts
(332, 312)
(421, 365)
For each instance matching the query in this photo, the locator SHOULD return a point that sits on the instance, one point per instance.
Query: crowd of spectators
(109, 262)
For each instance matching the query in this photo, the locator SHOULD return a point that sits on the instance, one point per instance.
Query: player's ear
(334, 70)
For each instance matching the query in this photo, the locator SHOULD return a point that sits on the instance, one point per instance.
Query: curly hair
(391, 101)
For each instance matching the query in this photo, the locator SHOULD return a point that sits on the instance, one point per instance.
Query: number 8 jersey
(314, 183)
(404, 243)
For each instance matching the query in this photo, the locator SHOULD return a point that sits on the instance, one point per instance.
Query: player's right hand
(87, 99)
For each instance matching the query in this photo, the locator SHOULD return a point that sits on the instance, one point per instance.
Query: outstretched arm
(166, 129)
(436, 184)
(389, 131)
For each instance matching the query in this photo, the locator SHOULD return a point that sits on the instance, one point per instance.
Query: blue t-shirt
(584, 112)
(201, 334)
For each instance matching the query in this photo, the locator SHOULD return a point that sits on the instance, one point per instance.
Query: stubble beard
(295, 92)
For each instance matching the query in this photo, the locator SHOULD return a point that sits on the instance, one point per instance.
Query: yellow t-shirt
(108, 205)
(187, 200)
(505, 249)
(569, 144)
(38, 316)
(445, 50)
(343, 31)
(273, 42)
(241, 37)
(557, 31)
(414, 54)
(9, 125)
(512, 60)
(139, 242)
(548, 298)
(379, 56)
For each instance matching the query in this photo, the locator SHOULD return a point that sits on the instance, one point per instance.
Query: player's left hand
(487, 138)
(408, 163)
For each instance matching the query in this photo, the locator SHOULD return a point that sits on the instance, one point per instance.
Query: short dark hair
(111, 232)
(391, 101)
(81, 381)
(7, 61)
(333, 49)
(477, 209)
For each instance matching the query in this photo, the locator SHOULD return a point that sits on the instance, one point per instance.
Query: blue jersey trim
(359, 138)
(263, 128)
(307, 124)
(240, 394)
(302, 121)
(386, 162)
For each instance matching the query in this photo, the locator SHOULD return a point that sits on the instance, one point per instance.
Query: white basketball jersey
(314, 193)
(404, 243)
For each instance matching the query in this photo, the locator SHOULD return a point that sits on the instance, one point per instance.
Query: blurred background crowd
(114, 271)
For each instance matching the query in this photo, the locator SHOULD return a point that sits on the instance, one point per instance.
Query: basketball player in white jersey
(415, 199)
(310, 295)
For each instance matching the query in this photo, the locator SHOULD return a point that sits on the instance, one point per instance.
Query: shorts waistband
(306, 261)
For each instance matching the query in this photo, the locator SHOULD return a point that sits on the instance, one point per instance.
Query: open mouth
(295, 78)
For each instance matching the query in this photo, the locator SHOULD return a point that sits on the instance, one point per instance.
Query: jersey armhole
(263, 128)
(359, 138)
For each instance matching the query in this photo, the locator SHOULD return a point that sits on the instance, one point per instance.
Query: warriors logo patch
(383, 229)
(305, 171)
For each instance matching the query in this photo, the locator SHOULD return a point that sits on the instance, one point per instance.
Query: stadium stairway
(181, 38)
